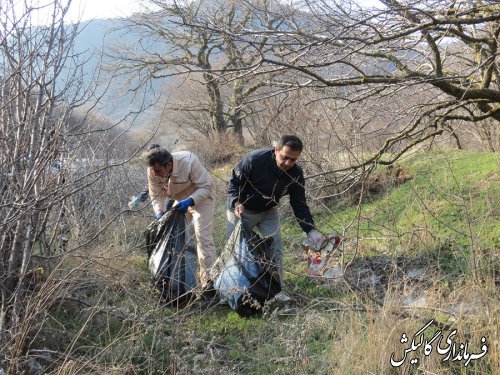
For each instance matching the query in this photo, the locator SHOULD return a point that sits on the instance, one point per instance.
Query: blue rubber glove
(160, 214)
(183, 205)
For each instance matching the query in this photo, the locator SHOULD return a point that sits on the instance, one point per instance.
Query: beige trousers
(202, 217)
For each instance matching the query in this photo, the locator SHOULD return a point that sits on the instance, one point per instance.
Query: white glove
(315, 239)
(134, 203)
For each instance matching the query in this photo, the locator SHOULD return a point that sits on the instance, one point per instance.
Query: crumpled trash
(330, 243)
(317, 256)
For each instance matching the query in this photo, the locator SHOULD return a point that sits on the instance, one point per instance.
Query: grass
(447, 211)
(452, 198)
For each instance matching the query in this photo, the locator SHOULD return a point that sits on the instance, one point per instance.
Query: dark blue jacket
(259, 184)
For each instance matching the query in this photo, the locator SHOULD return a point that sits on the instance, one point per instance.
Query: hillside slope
(452, 199)
(428, 226)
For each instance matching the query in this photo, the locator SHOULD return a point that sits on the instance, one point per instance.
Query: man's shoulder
(185, 156)
(259, 154)
(180, 154)
(298, 169)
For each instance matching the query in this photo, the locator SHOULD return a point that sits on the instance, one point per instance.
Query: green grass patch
(453, 196)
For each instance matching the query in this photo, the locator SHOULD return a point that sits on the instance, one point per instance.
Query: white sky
(89, 9)
(120, 8)
(82, 10)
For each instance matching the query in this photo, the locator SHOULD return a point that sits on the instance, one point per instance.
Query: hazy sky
(119, 8)
(84, 10)
(88, 9)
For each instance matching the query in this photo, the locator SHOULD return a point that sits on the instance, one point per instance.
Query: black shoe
(208, 294)
(208, 291)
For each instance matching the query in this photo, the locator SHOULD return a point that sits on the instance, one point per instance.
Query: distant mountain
(99, 35)
(92, 34)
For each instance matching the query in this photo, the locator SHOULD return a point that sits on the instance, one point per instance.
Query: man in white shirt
(181, 176)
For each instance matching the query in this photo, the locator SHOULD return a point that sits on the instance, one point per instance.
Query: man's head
(287, 151)
(160, 161)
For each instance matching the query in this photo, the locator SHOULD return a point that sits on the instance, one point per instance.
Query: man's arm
(157, 193)
(238, 179)
(299, 205)
(201, 178)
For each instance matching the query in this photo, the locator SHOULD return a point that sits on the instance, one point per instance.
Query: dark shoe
(282, 297)
(208, 292)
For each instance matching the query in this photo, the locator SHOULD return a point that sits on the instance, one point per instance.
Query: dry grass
(106, 318)
(112, 324)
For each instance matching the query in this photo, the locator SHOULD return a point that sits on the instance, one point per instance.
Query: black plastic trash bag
(248, 273)
(172, 256)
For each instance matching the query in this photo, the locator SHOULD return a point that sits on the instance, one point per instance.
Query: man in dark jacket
(257, 184)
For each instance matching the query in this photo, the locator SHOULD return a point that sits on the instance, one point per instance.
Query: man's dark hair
(158, 155)
(291, 141)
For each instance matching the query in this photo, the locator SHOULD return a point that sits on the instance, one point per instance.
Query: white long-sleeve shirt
(188, 178)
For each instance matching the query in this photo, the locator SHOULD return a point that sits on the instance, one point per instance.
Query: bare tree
(433, 63)
(442, 57)
(191, 38)
(374, 82)
(51, 154)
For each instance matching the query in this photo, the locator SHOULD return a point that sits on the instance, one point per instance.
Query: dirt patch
(404, 281)
(407, 278)
(383, 181)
